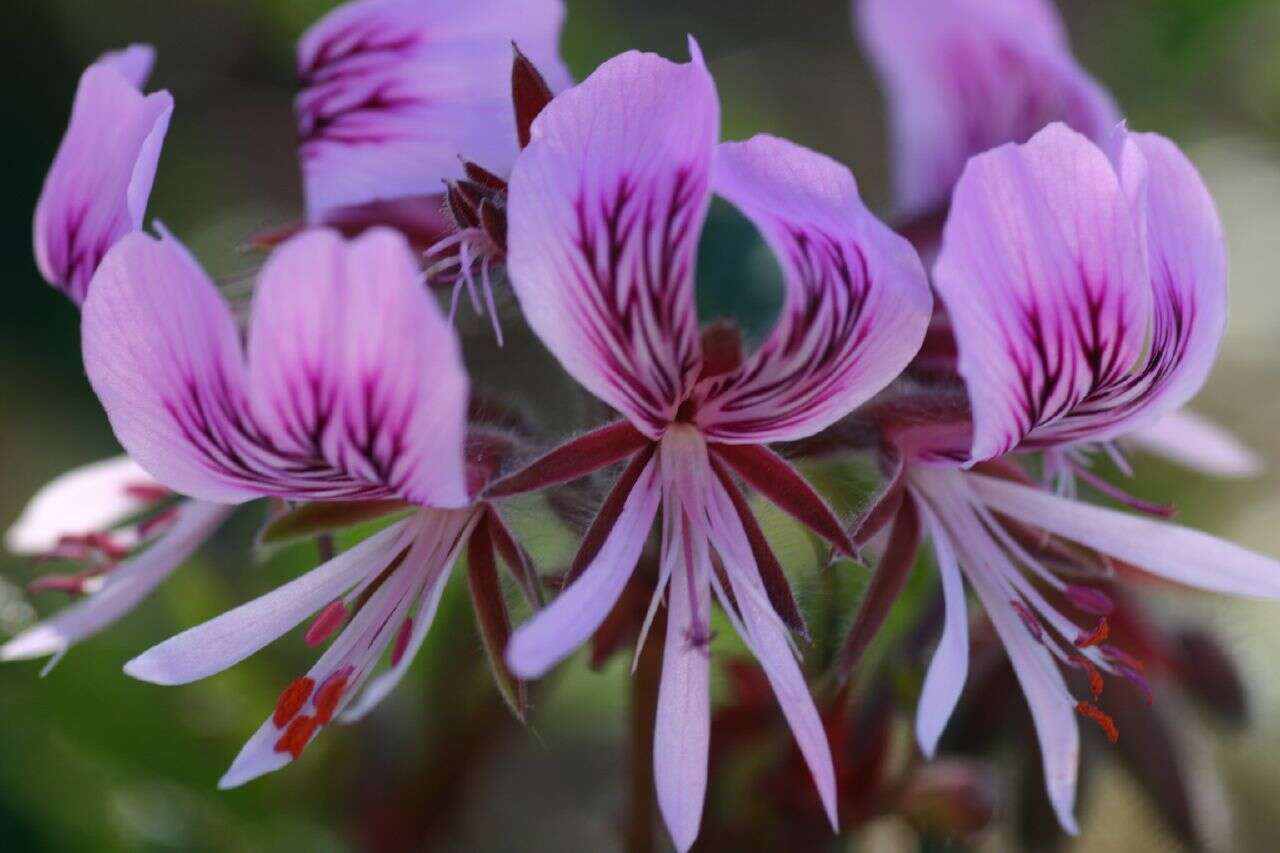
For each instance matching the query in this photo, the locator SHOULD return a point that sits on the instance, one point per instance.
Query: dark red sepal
(602, 524)
(573, 459)
(530, 94)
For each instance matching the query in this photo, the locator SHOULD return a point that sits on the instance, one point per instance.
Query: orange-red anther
(1096, 637)
(297, 736)
(1095, 677)
(292, 700)
(1100, 717)
(330, 693)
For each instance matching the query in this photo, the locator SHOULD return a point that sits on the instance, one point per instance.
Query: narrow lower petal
(567, 622)
(1193, 441)
(949, 667)
(857, 304)
(682, 728)
(395, 91)
(88, 499)
(125, 586)
(230, 638)
(1168, 550)
(605, 208)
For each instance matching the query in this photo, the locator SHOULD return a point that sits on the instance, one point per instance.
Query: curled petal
(125, 586)
(87, 499)
(1045, 278)
(857, 306)
(393, 91)
(353, 387)
(97, 188)
(606, 205)
(965, 76)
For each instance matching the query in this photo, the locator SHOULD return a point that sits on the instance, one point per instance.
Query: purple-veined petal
(354, 386)
(556, 630)
(123, 588)
(682, 727)
(965, 76)
(352, 362)
(605, 208)
(1178, 553)
(230, 638)
(949, 667)
(97, 188)
(857, 305)
(1044, 276)
(393, 91)
(88, 499)
(1193, 441)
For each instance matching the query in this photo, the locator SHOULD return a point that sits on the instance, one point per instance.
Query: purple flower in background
(1088, 296)
(606, 204)
(964, 76)
(395, 91)
(97, 188)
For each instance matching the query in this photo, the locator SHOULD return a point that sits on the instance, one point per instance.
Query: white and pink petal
(605, 208)
(857, 304)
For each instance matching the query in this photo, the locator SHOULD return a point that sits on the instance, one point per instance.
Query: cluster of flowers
(1076, 298)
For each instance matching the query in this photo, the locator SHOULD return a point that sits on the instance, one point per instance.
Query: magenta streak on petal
(651, 316)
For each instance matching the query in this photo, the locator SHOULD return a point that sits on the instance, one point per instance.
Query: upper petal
(965, 76)
(1045, 277)
(857, 306)
(605, 209)
(393, 91)
(354, 387)
(97, 188)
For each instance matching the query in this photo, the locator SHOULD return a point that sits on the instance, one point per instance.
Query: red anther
(1029, 619)
(1095, 677)
(402, 641)
(326, 623)
(330, 692)
(105, 545)
(147, 493)
(163, 519)
(1100, 717)
(297, 736)
(1096, 637)
(1090, 600)
(291, 701)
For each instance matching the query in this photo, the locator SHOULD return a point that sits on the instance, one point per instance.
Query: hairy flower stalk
(604, 206)
(1083, 310)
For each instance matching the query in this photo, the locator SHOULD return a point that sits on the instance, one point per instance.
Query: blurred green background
(91, 760)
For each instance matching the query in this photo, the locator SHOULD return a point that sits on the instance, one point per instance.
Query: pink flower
(395, 91)
(1087, 295)
(97, 188)
(352, 388)
(964, 76)
(605, 208)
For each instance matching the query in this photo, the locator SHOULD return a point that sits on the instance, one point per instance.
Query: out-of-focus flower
(395, 92)
(965, 76)
(99, 515)
(97, 188)
(605, 207)
(1087, 299)
(353, 389)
